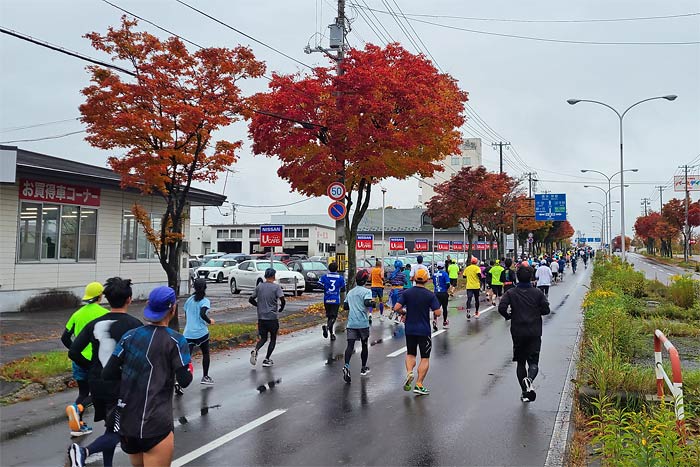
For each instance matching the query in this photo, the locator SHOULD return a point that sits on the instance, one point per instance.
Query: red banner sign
(364, 242)
(420, 244)
(397, 243)
(49, 192)
(443, 245)
(271, 235)
(458, 246)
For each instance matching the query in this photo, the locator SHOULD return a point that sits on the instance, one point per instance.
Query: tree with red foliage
(163, 119)
(560, 231)
(644, 228)
(617, 243)
(674, 214)
(473, 194)
(389, 114)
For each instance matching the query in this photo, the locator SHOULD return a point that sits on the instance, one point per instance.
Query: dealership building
(64, 224)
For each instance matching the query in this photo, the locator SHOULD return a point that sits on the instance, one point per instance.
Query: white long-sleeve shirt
(554, 266)
(543, 275)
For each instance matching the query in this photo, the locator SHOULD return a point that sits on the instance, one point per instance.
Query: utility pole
(530, 181)
(500, 145)
(686, 227)
(337, 45)
(646, 202)
(661, 199)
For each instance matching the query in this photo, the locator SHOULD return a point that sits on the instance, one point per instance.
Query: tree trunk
(351, 225)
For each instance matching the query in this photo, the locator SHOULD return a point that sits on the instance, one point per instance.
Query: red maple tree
(390, 114)
(163, 118)
(472, 195)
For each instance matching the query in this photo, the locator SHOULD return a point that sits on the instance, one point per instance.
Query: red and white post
(675, 386)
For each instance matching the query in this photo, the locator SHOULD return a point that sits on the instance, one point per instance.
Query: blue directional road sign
(550, 207)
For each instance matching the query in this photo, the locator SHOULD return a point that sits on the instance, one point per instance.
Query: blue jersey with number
(441, 281)
(332, 284)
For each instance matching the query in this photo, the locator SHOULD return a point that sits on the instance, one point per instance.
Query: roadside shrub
(607, 321)
(648, 437)
(683, 291)
(51, 300)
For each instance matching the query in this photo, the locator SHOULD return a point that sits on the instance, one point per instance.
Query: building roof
(398, 220)
(35, 164)
(256, 225)
(303, 219)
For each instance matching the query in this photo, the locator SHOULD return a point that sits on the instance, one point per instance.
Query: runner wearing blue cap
(149, 360)
(265, 298)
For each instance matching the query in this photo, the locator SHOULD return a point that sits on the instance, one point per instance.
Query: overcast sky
(518, 87)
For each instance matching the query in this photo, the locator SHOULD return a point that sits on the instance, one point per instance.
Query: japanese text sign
(271, 235)
(50, 192)
(550, 207)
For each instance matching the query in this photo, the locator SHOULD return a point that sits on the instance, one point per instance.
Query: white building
(64, 224)
(470, 157)
(310, 235)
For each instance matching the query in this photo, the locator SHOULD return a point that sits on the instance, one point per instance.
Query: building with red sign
(65, 224)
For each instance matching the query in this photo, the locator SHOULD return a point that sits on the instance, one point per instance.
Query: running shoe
(253, 357)
(524, 398)
(73, 412)
(346, 374)
(325, 331)
(529, 391)
(407, 383)
(207, 380)
(381, 318)
(268, 362)
(178, 390)
(77, 455)
(476, 314)
(332, 337)
(369, 318)
(364, 371)
(84, 430)
(421, 390)
(469, 315)
(446, 324)
(435, 328)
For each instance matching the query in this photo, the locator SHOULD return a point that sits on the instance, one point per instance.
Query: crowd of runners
(128, 370)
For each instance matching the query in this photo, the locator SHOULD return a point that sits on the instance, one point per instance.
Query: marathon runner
(149, 359)
(496, 283)
(265, 298)
(415, 267)
(554, 266)
(378, 286)
(333, 285)
(508, 275)
(574, 260)
(453, 272)
(544, 277)
(398, 281)
(103, 334)
(197, 327)
(473, 275)
(441, 284)
(88, 312)
(357, 302)
(527, 306)
(419, 302)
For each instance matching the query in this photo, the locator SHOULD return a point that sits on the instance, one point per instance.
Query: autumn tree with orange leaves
(472, 195)
(389, 114)
(162, 119)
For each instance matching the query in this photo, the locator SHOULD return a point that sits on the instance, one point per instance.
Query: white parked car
(216, 270)
(247, 275)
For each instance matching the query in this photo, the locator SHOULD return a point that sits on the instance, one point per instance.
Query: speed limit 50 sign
(336, 191)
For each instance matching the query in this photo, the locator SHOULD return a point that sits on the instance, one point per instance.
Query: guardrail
(675, 386)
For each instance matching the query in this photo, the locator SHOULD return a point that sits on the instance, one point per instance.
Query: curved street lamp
(621, 116)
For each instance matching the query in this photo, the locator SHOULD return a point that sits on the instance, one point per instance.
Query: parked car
(323, 259)
(283, 257)
(216, 270)
(210, 256)
(193, 265)
(238, 257)
(247, 275)
(312, 272)
(298, 257)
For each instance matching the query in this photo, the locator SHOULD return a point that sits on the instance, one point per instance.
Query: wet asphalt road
(300, 412)
(653, 270)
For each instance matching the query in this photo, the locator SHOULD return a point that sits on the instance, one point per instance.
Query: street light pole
(610, 210)
(383, 207)
(621, 116)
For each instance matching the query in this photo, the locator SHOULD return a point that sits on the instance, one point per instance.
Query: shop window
(302, 233)
(53, 231)
(88, 234)
(69, 232)
(49, 231)
(254, 233)
(222, 233)
(29, 231)
(135, 245)
(236, 233)
(288, 233)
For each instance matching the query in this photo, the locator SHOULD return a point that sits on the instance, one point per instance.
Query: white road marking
(403, 349)
(556, 454)
(218, 442)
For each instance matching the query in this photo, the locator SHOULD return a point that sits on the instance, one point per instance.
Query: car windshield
(262, 265)
(314, 266)
(215, 263)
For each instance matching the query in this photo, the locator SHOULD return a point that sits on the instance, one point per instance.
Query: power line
(62, 50)
(543, 39)
(273, 205)
(243, 34)
(417, 35)
(375, 29)
(391, 39)
(401, 26)
(36, 125)
(43, 138)
(593, 20)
